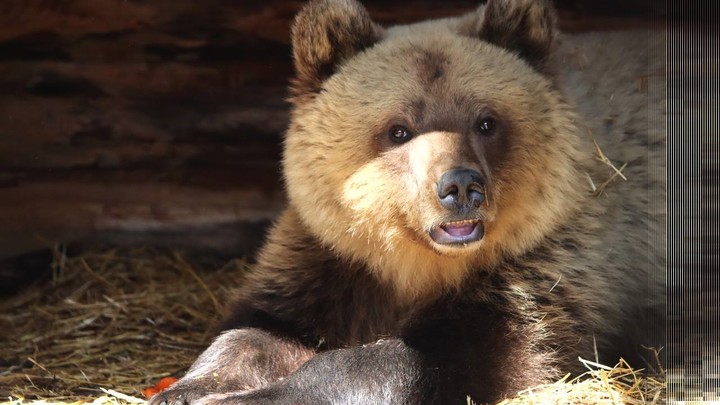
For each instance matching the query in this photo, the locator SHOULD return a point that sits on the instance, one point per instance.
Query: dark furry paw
(233, 398)
(180, 395)
(262, 396)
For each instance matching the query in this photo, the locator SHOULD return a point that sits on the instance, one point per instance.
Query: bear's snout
(461, 189)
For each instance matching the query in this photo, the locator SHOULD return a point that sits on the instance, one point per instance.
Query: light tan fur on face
(392, 239)
(376, 204)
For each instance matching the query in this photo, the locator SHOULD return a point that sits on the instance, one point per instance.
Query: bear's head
(428, 150)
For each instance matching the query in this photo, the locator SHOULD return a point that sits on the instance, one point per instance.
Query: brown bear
(448, 233)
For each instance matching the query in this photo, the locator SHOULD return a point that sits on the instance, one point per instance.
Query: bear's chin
(458, 234)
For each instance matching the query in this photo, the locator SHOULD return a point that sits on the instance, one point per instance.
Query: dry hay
(114, 320)
(599, 385)
(109, 324)
(600, 190)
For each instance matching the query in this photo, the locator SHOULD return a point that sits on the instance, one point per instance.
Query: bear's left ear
(526, 27)
(325, 34)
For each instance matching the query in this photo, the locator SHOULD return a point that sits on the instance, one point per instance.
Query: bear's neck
(411, 268)
(414, 271)
(418, 274)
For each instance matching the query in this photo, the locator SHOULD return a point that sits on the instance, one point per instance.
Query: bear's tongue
(460, 229)
(458, 232)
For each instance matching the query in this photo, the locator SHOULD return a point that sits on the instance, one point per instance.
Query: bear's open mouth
(458, 232)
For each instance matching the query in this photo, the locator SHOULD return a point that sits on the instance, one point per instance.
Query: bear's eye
(400, 134)
(486, 126)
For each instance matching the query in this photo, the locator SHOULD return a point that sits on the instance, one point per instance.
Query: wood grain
(126, 114)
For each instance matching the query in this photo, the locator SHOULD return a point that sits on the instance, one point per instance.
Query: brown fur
(341, 179)
(318, 48)
(526, 27)
(351, 261)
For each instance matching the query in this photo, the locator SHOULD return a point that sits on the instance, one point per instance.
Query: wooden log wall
(129, 117)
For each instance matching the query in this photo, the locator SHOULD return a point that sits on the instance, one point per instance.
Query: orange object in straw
(161, 385)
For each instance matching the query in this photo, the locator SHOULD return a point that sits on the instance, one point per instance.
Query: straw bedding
(106, 325)
(113, 320)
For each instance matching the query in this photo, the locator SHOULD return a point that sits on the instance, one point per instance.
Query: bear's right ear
(325, 34)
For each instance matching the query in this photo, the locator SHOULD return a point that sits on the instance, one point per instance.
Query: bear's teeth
(459, 228)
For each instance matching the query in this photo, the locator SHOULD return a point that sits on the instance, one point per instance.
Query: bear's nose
(461, 188)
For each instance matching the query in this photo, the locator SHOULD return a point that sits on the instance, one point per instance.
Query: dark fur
(482, 341)
(524, 26)
(312, 324)
(319, 48)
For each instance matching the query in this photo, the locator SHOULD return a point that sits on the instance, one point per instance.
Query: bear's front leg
(385, 372)
(238, 360)
(453, 352)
